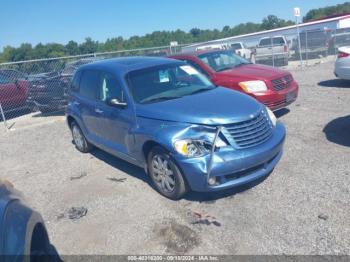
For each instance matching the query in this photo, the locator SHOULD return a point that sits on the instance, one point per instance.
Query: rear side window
(75, 83)
(265, 42)
(89, 84)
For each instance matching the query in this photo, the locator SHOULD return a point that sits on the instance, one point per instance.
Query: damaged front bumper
(231, 167)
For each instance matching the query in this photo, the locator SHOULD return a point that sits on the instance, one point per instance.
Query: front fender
(22, 230)
(165, 133)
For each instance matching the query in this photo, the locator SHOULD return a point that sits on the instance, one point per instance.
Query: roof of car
(198, 52)
(127, 64)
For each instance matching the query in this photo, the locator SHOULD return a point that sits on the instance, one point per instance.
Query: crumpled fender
(166, 133)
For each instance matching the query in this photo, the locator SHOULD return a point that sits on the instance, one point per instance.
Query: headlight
(271, 116)
(253, 86)
(194, 148)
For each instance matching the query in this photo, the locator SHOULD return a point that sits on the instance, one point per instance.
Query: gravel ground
(301, 208)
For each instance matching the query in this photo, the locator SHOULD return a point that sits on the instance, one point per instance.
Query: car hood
(253, 71)
(215, 107)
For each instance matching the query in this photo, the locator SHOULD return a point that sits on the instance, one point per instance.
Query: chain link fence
(41, 86)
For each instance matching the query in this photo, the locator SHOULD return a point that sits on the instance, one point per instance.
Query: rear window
(276, 41)
(236, 46)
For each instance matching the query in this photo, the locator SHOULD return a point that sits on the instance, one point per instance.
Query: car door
(86, 103)
(115, 120)
(9, 92)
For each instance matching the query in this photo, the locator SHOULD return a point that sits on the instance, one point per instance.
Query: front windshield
(166, 82)
(222, 60)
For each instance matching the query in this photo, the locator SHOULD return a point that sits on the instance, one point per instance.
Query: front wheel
(165, 174)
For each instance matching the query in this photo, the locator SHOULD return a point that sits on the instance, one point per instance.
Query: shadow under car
(335, 83)
(338, 131)
(139, 173)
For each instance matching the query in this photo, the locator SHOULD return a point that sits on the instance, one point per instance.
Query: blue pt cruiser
(165, 116)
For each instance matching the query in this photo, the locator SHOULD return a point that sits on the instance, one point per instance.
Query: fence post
(273, 55)
(299, 44)
(3, 117)
(306, 46)
(335, 44)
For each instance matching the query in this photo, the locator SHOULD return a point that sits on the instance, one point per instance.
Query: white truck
(272, 50)
(241, 49)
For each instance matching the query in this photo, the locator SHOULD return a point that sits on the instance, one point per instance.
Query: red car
(13, 89)
(273, 87)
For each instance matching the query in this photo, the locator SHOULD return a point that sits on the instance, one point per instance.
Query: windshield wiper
(158, 99)
(224, 68)
(201, 90)
(242, 64)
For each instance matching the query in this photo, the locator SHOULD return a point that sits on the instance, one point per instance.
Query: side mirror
(116, 103)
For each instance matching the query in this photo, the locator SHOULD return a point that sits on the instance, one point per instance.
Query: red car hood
(253, 71)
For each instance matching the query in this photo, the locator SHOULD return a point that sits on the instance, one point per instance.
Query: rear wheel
(165, 174)
(79, 139)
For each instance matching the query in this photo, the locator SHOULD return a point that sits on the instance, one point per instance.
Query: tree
(327, 11)
(89, 46)
(272, 22)
(72, 48)
(8, 54)
(24, 52)
(156, 38)
(195, 32)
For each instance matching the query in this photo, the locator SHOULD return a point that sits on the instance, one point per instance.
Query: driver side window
(110, 88)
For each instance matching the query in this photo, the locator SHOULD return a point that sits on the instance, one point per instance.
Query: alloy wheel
(163, 174)
(78, 137)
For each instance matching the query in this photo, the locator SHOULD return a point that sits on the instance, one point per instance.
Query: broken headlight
(195, 148)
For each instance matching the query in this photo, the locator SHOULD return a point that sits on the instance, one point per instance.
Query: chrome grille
(250, 132)
(282, 83)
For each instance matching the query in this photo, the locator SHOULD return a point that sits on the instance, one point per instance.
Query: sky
(47, 21)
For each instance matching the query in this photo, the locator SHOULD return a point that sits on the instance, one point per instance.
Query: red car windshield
(222, 60)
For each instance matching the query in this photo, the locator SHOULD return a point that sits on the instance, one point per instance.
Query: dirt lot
(303, 207)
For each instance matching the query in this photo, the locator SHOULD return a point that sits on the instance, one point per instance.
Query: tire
(167, 180)
(79, 139)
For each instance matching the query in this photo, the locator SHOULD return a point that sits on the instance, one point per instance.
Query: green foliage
(327, 11)
(272, 22)
(157, 38)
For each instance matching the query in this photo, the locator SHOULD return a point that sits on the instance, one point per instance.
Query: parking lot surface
(302, 207)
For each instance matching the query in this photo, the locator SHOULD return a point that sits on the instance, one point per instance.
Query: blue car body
(130, 132)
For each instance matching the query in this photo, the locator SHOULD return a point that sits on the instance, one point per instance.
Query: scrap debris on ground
(73, 213)
(82, 174)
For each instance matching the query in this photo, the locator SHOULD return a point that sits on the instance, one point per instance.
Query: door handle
(76, 103)
(98, 111)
